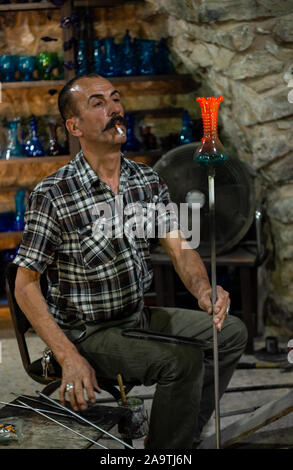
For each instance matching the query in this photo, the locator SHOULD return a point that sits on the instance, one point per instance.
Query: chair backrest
(20, 322)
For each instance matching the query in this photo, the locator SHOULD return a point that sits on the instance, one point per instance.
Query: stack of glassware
(44, 66)
(132, 56)
(35, 145)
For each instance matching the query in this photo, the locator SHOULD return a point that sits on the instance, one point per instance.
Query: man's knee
(184, 364)
(236, 334)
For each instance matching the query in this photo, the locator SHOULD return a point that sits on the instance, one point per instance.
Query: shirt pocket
(96, 249)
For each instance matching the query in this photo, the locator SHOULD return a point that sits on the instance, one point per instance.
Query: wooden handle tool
(122, 391)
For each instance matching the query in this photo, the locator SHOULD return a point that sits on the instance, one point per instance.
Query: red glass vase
(210, 152)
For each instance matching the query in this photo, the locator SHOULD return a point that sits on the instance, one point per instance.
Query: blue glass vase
(13, 148)
(81, 58)
(163, 61)
(33, 146)
(185, 136)
(98, 57)
(19, 210)
(110, 62)
(147, 56)
(26, 67)
(127, 56)
(132, 144)
(8, 66)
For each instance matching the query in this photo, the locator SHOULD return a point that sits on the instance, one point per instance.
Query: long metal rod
(85, 420)
(61, 424)
(36, 400)
(38, 409)
(211, 184)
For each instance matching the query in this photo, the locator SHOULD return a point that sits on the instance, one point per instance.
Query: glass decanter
(210, 152)
(147, 56)
(127, 56)
(33, 146)
(13, 148)
(110, 62)
(54, 147)
(81, 58)
(185, 136)
(98, 57)
(19, 210)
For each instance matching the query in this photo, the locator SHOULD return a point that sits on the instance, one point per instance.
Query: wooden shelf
(154, 84)
(28, 6)
(104, 3)
(149, 157)
(28, 171)
(10, 240)
(143, 84)
(33, 84)
(158, 112)
(27, 160)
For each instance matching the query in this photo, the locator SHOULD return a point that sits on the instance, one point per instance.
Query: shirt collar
(88, 176)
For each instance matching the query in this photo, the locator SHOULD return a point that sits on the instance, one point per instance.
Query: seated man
(97, 281)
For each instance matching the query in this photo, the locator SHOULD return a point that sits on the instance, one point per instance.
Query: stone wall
(243, 50)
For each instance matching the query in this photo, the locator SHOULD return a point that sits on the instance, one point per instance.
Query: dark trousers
(184, 396)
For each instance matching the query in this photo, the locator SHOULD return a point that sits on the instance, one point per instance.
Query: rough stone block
(213, 10)
(280, 204)
(254, 64)
(283, 31)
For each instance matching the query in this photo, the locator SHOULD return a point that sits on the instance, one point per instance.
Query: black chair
(34, 369)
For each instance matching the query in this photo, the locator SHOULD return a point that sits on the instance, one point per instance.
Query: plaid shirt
(90, 275)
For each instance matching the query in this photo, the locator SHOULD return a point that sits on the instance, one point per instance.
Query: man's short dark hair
(66, 103)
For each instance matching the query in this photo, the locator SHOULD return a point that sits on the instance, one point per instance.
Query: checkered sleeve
(42, 234)
(167, 219)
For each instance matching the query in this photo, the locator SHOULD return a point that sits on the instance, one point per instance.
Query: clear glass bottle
(19, 210)
(13, 148)
(185, 136)
(54, 148)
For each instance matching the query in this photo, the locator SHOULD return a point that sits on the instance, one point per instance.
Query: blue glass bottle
(163, 61)
(132, 144)
(33, 146)
(81, 58)
(98, 57)
(127, 56)
(13, 148)
(147, 56)
(185, 136)
(110, 62)
(19, 210)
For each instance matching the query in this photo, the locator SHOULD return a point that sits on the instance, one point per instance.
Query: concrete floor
(278, 434)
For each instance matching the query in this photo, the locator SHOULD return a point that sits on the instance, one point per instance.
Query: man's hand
(78, 372)
(221, 305)
(191, 270)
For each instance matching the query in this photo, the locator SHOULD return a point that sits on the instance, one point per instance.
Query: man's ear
(73, 127)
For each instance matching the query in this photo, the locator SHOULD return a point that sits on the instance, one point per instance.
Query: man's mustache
(115, 120)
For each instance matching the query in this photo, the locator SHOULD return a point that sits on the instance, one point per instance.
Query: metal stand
(211, 184)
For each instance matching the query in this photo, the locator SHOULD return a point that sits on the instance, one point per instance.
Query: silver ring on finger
(69, 387)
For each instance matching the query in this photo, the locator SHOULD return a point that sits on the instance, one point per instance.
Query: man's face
(99, 107)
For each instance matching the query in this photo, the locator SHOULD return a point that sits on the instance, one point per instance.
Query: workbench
(241, 258)
(41, 433)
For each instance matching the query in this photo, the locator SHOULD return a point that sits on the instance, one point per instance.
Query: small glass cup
(48, 65)
(8, 66)
(26, 67)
